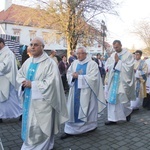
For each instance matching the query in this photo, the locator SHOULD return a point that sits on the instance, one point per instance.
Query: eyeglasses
(80, 53)
(34, 44)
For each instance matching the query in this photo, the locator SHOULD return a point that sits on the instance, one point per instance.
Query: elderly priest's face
(81, 54)
(36, 48)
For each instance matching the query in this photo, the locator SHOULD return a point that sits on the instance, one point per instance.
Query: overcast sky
(131, 12)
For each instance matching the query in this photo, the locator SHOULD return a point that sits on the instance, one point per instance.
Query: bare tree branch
(74, 18)
(142, 30)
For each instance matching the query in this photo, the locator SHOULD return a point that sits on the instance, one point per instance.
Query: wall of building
(52, 38)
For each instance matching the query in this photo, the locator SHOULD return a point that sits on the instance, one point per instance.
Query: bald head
(53, 53)
(40, 40)
(37, 47)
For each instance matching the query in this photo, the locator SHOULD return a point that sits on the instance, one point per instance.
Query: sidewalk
(131, 135)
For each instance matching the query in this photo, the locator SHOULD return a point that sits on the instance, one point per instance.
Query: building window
(58, 37)
(16, 32)
(32, 34)
(64, 42)
(45, 37)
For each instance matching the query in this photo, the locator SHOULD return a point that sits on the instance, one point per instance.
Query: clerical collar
(122, 52)
(35, 60)
(87, 59)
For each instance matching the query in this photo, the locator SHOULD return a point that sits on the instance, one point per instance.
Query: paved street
(131, 135)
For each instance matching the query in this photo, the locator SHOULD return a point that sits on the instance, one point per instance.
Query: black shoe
(65, 135)
(1, 121)
(20, 119)
(110, 123)
(128, 118)
(136, 109)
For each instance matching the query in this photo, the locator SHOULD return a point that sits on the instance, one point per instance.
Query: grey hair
(39, 39)
(83, 48)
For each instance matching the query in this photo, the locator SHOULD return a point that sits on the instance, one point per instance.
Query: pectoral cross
(80, 72)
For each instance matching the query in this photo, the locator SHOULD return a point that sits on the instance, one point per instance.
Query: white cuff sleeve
(70, 82)
(82, 82)
(36, 94)
(118, 65)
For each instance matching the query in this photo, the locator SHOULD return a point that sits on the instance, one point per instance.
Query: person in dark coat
(72, 57)
(26, 54)
(99, 61)
(63, 66)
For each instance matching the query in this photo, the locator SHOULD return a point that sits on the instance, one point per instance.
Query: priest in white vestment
(146, 102)
(10, 105)
(120, 84)
(140, 70)
(86, 95)
(44, 102)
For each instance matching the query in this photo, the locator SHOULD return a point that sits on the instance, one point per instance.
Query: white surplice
(148, 76)
(135, 104)
(126, 88)
(47, 104)
(10, 105)
(92, 99)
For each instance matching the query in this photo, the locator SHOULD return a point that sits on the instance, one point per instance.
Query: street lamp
(103, 29)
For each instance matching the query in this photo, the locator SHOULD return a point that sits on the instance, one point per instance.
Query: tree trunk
(71, 35)
(71, 45)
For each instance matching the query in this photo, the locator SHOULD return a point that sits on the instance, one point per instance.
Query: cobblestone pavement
(131, 135)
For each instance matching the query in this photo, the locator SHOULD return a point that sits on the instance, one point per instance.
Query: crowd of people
(36, 92)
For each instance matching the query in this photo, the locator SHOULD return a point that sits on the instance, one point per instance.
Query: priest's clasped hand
(116, 57)
(26, 83)
(75, 75)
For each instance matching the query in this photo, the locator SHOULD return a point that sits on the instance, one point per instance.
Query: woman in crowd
(63, 66)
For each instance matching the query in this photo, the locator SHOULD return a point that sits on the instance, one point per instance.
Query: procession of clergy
(35, 92)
